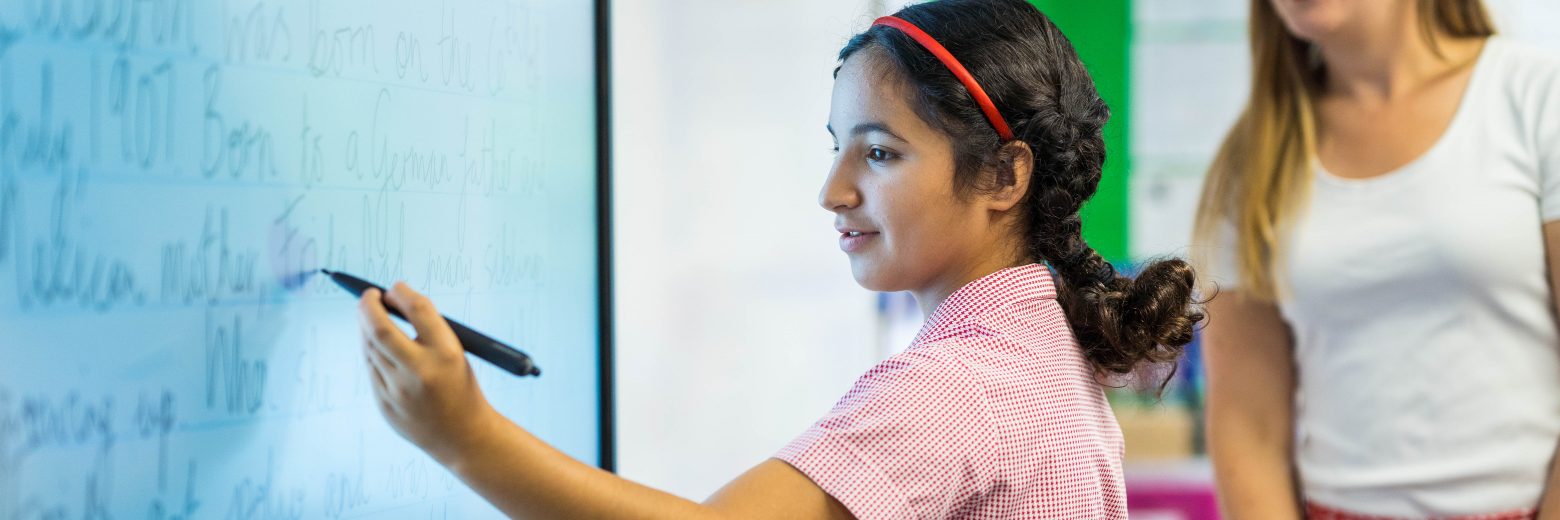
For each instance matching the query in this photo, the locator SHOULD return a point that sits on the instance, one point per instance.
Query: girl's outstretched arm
(425, 389)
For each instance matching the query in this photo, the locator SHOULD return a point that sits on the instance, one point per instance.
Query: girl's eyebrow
(870, 126)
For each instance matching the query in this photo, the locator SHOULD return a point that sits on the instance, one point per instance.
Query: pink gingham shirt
(993, 412)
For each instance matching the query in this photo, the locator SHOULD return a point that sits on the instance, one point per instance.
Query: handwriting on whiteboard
(171, 171)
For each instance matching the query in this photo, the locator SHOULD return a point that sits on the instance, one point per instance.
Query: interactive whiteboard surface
(169, 167)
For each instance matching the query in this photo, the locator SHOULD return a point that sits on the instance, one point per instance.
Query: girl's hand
(424, 385)
(426, 391)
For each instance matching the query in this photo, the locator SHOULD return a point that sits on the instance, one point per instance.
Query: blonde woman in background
(1383, 341)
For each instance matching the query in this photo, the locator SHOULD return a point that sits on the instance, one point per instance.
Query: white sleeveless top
(1428, 363)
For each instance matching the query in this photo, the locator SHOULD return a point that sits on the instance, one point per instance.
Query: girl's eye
(876, 154)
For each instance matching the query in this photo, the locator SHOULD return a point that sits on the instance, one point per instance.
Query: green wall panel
(1101, 31)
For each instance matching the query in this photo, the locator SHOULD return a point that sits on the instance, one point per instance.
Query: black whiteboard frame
(604, 314)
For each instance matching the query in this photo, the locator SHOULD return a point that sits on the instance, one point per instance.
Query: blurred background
(739, 323)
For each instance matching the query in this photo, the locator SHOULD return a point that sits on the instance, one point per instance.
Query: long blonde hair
(1257, 180)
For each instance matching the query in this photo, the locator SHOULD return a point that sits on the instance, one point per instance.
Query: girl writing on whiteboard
(968, 136)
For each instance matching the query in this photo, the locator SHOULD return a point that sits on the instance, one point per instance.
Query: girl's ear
(1015, 166)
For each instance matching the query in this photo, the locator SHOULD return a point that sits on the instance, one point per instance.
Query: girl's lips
(850, 243)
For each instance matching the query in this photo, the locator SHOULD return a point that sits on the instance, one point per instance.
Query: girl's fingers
(380, 331)
(432, 330)
(376, 367)
(376, 374)
(381, 356)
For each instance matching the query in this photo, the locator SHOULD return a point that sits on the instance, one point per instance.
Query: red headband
(942, 54)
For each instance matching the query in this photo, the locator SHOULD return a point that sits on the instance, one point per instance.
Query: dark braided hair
(1033, 75)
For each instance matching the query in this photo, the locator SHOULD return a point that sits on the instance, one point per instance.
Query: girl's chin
(873, 277)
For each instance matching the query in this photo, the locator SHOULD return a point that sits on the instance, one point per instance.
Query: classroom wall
(738, 321)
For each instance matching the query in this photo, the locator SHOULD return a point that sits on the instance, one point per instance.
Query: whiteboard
(169, 167)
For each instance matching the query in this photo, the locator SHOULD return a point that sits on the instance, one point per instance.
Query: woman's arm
(1251, 385)
(426, 391)
(1549, 509)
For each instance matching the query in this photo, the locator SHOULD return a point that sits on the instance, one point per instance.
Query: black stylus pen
(495, 352)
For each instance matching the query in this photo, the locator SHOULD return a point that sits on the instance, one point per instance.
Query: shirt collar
(988, 294)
